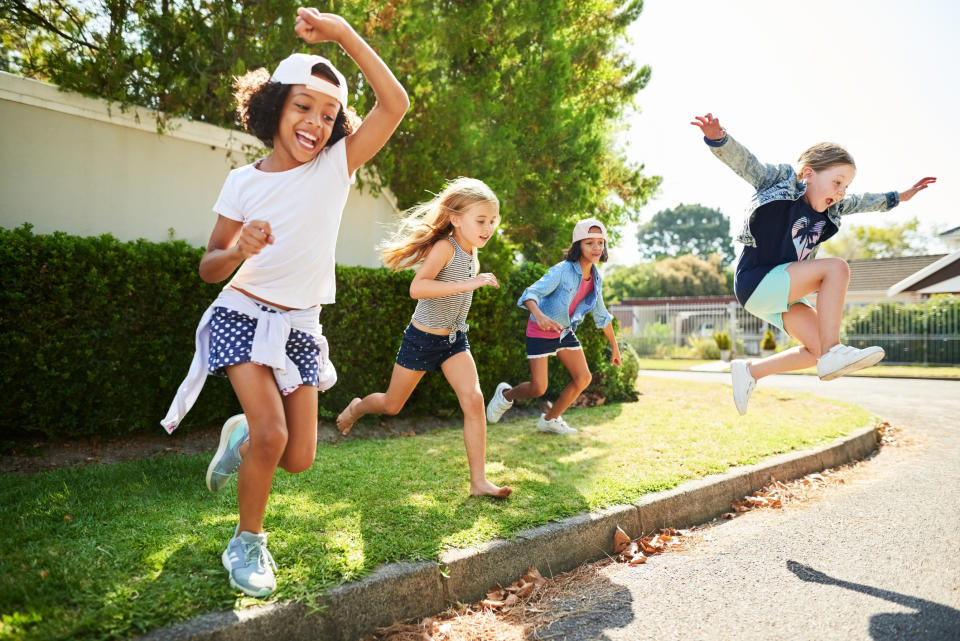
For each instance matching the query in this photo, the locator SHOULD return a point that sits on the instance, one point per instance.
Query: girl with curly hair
(276, 227)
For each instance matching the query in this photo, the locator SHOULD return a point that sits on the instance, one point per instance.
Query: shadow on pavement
(931, 621)
(606, 606)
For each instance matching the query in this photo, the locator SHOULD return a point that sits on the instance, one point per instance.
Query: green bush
(722, 339)
(703, 348)
(924, 332)
(768, 342)
(96, 335)
(653, 338)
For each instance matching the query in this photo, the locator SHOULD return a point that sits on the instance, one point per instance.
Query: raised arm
(392, 102)
(859, 203)
(736, 156)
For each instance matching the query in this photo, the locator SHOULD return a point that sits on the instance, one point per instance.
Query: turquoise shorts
(769, 300)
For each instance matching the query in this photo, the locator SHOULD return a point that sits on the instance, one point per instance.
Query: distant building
(939, 277)
(871, 279)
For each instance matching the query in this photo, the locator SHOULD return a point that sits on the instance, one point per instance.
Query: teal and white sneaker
(249, 563)
(226, 461)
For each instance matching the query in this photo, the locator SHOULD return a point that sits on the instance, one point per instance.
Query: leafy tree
(686, 275)
(861, 241)
(686, 229)
(527, 96)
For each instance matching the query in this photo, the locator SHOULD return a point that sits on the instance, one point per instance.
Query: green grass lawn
(881, 371)
(113, 551)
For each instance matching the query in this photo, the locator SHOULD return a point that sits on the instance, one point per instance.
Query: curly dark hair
(260, 103)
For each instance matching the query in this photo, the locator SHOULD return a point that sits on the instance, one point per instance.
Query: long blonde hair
(426, 223)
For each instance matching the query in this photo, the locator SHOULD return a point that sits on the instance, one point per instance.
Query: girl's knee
(838, 267)
(392, 407)
(472, 403)
(583, 380)
(298, 462)
(538, 389)
(269, 437)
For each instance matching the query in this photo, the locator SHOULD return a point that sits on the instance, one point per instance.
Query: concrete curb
(399, 591)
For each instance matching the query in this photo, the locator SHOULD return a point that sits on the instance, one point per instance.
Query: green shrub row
(927, 332)
(96, 335)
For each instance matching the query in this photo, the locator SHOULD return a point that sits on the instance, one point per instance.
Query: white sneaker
(843, 359)
(498, 404)
(555, 425)
(743, 384)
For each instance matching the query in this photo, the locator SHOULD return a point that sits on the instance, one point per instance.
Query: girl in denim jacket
(791, 214)
(557, 303)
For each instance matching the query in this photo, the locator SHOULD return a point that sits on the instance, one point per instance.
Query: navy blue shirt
(786, 231)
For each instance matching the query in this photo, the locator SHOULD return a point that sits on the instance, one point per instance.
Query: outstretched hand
(710, 127)
(313, 26)
(920, 185)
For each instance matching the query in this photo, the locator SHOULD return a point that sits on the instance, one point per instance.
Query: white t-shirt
(303, 206)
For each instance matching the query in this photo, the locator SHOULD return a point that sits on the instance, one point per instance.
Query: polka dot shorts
(231, 339)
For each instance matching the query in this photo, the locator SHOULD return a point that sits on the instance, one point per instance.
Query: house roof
(879, 274)
(943, 269)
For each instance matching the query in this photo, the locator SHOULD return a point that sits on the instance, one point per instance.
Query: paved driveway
(877, 558)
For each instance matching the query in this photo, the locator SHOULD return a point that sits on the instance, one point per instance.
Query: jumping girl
(791, 214)
(277, 219)
(442, 236)
(557, 303)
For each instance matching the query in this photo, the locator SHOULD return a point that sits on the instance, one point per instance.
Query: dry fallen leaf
(621, 541)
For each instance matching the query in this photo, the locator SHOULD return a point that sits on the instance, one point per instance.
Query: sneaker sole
(863, 363)
(225, 433)
(549, 431)
(262, 592)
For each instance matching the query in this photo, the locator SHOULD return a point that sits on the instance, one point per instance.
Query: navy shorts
(543, 347)
(424, 352)
(231, 339)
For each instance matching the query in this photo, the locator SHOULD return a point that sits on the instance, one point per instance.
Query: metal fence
(922, 333)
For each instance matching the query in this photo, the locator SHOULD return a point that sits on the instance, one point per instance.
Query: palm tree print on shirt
(806, 235)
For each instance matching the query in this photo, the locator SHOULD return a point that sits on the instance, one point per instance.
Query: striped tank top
(449, 311)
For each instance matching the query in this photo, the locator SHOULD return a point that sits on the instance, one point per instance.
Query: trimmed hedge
(96, 335)
(927, 332)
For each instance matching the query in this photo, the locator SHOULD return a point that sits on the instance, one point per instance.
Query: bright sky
(877, 76)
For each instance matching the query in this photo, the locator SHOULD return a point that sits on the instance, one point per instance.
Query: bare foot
(346, 419)
(489, 489)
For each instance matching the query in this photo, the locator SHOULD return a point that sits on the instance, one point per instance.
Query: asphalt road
(877, 558)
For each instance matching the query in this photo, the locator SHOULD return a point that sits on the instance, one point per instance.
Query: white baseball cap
(297, 69)
(582, 230)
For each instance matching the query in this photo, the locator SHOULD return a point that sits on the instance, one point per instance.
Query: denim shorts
(543, 347)
(425, 352)
(231, 339)
(769, 300)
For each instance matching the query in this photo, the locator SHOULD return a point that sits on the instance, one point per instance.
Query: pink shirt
(533, 331)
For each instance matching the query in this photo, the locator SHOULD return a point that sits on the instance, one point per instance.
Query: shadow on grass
(117, 550)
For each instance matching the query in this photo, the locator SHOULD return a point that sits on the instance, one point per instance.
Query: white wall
(79, 165)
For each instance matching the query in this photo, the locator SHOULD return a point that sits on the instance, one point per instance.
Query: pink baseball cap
(582, 230)
(297, 69)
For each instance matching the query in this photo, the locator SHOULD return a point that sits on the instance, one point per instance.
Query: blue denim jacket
(780, 182)
(555, 290)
